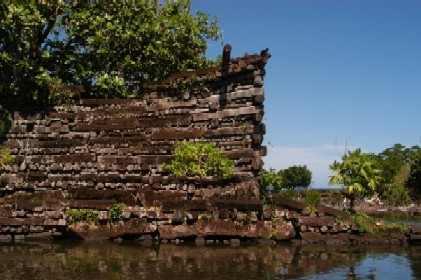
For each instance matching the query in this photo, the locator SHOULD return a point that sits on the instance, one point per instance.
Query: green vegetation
(81, 215)
(342, 221)
(335, 194)
(290, 194)
(112, 48)
(91, 216)
(414, 179)
(271, 182)
(366, 223)
(296, 176)
(358, 173)
(199, 159)
(396, 165)
(5, 120)
(394, 175)
(395, 160)
(287, 179)
(313, 199)
(395, 194)
(115, 211)
(204, 216)
(5, 156)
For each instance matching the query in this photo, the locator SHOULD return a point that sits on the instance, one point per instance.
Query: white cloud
(317, 160)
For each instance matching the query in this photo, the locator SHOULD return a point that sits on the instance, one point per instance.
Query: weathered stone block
(244, 205)
(288, 203)
(316, 221)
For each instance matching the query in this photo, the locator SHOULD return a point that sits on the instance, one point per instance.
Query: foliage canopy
(395, 164)
(414, 180)
(296, 176)
(111, 47)
(275, 181)
(394, 160)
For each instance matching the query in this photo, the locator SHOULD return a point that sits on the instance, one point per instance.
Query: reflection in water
(405, 218)
(415, 256)
(132, 261)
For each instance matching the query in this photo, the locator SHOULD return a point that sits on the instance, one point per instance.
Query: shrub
(271, 182)
(290, 194)
(81, 215)
(115, 211)
(313, 198)
(364, 222)
(199, 159)
(396, 194)
(370, 224)
(5, 156)
(334, 194)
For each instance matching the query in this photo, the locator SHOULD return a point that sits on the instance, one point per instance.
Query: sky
(344, 74)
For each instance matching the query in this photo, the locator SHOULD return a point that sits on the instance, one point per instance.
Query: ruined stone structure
(97, 153)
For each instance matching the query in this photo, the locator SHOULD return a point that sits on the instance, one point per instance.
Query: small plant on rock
(115, 211)
(199, 159)
(81, 215)
(370, 224)
(293, 194)
(364, 222)
(333, 194)
(271, 182)
(204, 216)
(5, 156)
(313, 199)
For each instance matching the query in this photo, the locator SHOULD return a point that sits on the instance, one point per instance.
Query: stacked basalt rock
(99, 152)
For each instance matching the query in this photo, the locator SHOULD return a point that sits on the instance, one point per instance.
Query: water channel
(84, 260)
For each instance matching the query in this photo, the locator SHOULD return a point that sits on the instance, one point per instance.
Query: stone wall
(96, 153)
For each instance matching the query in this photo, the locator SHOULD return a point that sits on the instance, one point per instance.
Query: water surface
(132, 261)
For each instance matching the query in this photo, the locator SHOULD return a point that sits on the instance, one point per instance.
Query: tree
(111, 47)
(396, 192)
(414, 180)
(358, 172)
(296, 176)
(24, 31)
(199, 159)
(121, 45)
(392, 160)
(394, 163)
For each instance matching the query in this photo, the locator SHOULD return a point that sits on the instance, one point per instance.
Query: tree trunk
(352, 204)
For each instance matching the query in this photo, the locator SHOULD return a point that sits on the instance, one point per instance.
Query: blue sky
(343, 73)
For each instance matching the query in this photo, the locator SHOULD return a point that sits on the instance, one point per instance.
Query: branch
(43, 34)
